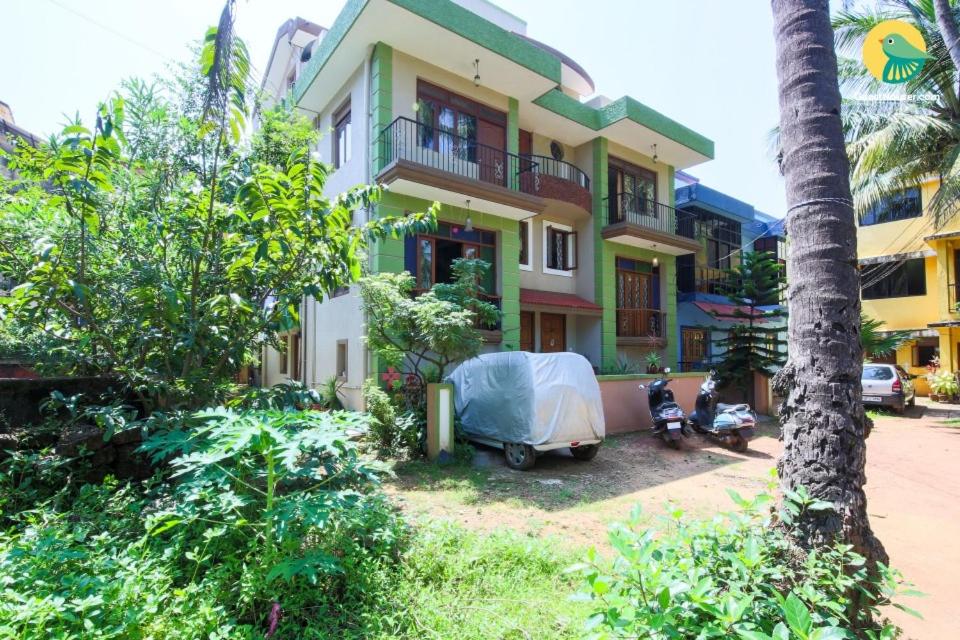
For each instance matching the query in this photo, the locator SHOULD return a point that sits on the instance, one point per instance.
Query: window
(723, 238)
(877, 372)
(451, 124)
(283, 355)
(342, 360)
(430, 257)
(341, 137)
(633, 192)
(902, 206)
(291, 79)
(925, 350)
(638, 299)
(894, 279)
(559, 249)
(295, 356)
(526, 261)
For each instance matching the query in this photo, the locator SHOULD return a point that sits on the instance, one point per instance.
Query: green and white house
(568, 194)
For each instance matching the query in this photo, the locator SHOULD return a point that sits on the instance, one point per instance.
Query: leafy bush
(393, 432)
(286, 396)
(943, 383)
(268, 507)
(735, 576)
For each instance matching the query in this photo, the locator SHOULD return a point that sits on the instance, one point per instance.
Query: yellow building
(909, 278)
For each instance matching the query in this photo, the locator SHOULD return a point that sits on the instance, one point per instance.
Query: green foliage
(286, 396)
(330, 393)
(393, 432)
(735, 576)
(754, 341)
(268, 506)
(943, 383)
(155, 246)
(280, 131)
(877, 343)
(425, 334)
(899, 135)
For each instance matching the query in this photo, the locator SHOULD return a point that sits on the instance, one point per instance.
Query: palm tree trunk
(824, 426)
(949, 32)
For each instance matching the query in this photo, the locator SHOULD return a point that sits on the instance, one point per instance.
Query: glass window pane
(445, 122)
(467, 130)
(425, 266)
(425, 117)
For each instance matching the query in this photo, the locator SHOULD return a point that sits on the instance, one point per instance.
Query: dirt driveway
(913, 491)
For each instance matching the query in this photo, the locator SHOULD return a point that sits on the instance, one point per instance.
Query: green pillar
(513, 141)
(381, 104)
(604, 284)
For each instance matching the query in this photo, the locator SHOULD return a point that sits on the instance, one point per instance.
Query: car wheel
(585, 452)
(521, 457)
(913, 401)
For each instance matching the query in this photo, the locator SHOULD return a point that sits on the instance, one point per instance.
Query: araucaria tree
(159, 246)
(824, 426)
(755, 343)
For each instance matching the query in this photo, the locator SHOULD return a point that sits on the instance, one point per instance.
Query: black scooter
(668, 420)
(731, 424)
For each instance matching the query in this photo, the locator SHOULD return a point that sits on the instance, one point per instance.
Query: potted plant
(653, 362)
(943, 386)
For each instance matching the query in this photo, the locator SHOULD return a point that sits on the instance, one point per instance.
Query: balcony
(556, 180)
(436, 164)
(643, 327)
(645, 223)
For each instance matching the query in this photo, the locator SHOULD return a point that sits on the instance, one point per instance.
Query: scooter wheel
(674, 444)
(740, 445)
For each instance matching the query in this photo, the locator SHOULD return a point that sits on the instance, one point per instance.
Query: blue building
(726, 228)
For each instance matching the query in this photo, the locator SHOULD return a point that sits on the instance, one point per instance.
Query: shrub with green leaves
(735, 576)
(266, 507)
(392, 432)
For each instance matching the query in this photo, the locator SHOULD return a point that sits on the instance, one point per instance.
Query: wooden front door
(526, 331)
(553, 333)
(490, 153)
(694, 348)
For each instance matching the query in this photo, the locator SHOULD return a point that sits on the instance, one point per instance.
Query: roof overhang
(438, 31)
(451, 37)
(895, 257)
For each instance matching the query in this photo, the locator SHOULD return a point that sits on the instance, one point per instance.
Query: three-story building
(569, 197)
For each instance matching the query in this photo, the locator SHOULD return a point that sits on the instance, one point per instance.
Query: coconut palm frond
(877, 343)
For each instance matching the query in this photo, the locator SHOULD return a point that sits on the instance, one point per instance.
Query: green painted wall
(381, 103)
(605, 254)
(513, 137)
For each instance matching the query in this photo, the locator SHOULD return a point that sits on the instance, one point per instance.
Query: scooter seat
(722, 406)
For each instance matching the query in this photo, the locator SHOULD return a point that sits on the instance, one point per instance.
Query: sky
(706, 64)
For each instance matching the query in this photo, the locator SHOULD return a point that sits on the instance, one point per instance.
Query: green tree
(755, 341)
(158, 245)
(898, 136)
(423, 335)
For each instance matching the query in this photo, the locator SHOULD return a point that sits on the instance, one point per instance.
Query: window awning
(565, 301)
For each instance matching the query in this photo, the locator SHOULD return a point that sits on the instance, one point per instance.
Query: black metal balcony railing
(554, 168)
(633, 209)
(443, 149)
(953, 296)
(640, 323)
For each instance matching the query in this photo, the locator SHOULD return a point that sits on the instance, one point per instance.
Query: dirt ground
(913, 493)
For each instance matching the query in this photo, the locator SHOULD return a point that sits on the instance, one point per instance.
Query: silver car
(887, 385)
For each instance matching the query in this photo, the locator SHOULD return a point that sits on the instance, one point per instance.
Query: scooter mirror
(667, 370)
(641, 387)
(713, 372)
